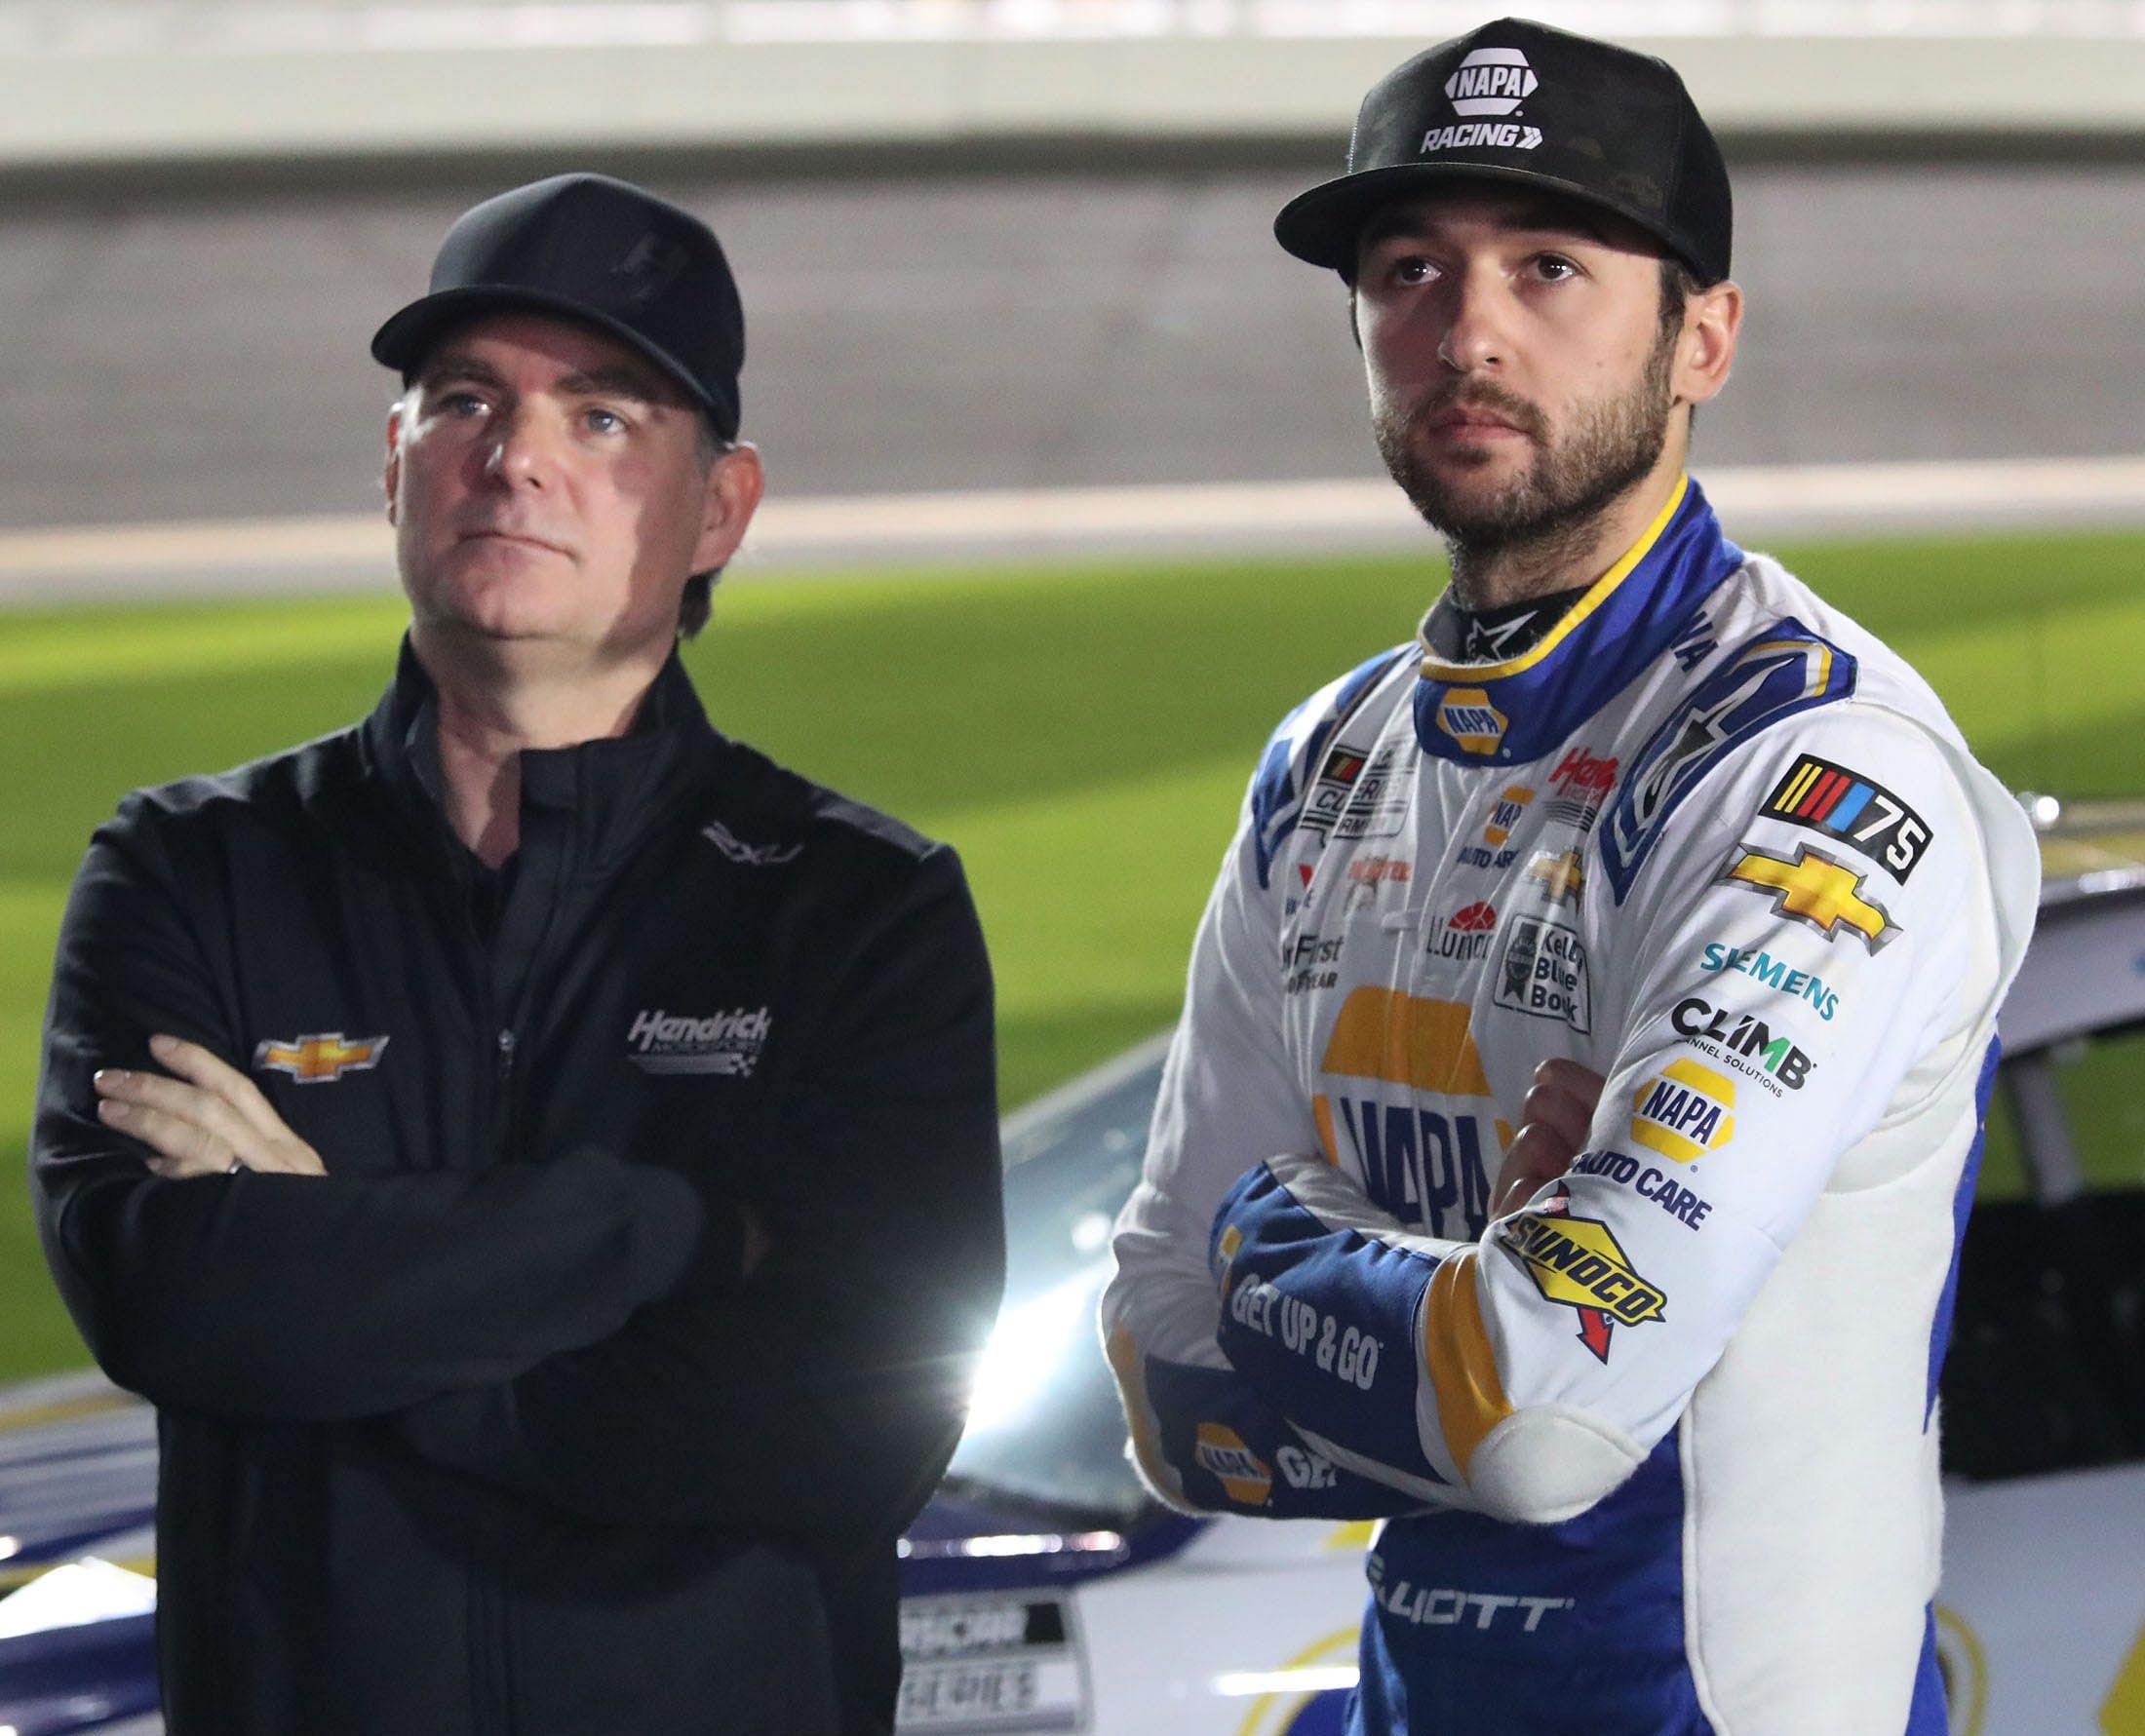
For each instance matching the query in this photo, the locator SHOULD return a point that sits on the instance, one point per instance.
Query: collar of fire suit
(604, 791)
(1513, 712)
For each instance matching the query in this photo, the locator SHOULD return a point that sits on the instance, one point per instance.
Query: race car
(1042, 1590)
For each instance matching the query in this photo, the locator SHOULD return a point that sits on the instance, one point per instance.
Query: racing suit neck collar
(1516, 711)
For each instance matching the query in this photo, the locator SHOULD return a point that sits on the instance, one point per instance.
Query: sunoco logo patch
(727, 1043)
(1578, 1262)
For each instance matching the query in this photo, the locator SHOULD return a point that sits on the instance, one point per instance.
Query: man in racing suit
(539, 1156)
(1650, 1421)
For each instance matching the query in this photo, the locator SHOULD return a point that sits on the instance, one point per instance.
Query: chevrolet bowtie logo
(1561, 877)
(1817, 890)
(311, 1061)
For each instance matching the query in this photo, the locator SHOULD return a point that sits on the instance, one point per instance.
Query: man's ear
(1711, 319)
(735, 482)
(391, 470)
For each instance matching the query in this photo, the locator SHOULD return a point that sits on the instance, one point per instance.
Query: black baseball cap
(598, 250)
(1518, 103)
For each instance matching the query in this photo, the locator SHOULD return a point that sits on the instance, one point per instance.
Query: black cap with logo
(598, 250)
(1521, 104)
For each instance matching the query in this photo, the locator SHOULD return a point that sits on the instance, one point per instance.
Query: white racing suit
(1658, 1451)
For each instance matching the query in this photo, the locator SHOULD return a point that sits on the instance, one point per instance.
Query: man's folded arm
(1204, 1437)
(824, 1394)
(301, 1298)
(1534, 1371)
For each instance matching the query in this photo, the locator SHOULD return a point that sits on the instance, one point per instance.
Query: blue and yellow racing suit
(1656, 1450)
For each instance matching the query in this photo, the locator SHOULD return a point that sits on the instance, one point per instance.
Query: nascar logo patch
(1829, 798)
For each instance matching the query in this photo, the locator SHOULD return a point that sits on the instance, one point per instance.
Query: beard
(1611, 445)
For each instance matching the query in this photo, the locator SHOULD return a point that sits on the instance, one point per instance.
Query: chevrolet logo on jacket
(315, 1060)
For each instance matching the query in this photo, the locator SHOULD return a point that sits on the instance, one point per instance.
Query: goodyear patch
(1813, 890)
(1685, 1111)
(1578, 1263)
(1467, 715)
(1220, 1452)
(1784, 670)
(321, 1058)
(1857, 810)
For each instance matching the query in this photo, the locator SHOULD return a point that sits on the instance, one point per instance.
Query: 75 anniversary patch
(1831, 798)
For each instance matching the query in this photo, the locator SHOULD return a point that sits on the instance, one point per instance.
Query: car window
(2090, 1130)
(2046, 1367)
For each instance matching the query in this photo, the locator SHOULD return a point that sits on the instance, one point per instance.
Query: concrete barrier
(112, 83)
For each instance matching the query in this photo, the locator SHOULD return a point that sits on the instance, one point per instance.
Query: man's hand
(208, 1121)
(1553, 1124)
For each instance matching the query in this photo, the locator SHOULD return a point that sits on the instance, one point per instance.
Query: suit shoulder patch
(1782, 671)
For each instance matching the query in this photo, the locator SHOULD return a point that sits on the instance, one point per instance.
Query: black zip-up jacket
(484, 1432)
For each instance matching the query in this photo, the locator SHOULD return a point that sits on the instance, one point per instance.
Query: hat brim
(409, 335)
(1321, 226)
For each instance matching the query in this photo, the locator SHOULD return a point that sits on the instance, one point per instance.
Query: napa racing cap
(1521, 104)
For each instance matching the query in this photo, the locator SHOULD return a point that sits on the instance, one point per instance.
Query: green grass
(1082, 734)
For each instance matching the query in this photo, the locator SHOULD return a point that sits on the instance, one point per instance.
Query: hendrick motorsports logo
(727, 1043)
(1578, 1261)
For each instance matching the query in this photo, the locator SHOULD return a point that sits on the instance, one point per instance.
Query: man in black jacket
(539, 1156)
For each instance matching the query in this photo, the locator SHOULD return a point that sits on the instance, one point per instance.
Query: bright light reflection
(1026, 1349)
(1313, 1678)
(1091, 1231)
(9, 1546)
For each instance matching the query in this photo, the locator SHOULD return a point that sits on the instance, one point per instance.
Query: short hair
(1678, 283)
(697, 600)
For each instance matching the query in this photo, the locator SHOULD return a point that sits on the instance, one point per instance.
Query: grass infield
(1082, 734)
